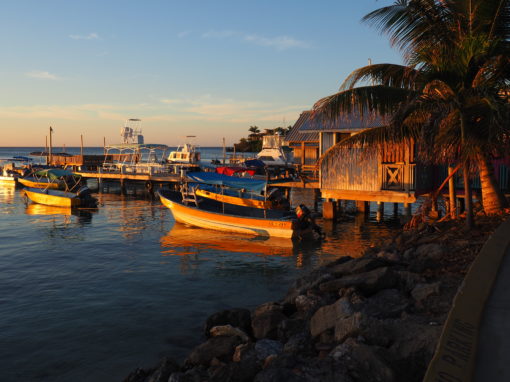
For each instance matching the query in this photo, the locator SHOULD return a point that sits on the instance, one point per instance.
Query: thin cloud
(90, 36)
(279, 42)
(219, 34)
(42, 75)
(183, 34)
(208, 108)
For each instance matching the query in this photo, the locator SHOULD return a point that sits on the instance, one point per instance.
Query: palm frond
(366, 102)
(391, 75)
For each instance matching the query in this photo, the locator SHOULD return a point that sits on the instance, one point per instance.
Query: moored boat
(209, 216)
(185, 154)
(52, 178)
(58, 198)
(244, 192)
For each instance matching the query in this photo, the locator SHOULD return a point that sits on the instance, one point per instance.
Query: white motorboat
(186, 154)
(272, 153)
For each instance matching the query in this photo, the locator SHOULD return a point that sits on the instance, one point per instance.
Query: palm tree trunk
(493, 200)
(468, 198)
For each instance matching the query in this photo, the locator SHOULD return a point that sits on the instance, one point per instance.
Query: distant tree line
(253, 143)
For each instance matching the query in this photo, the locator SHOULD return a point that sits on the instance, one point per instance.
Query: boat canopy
(213, 178)
(54, 173)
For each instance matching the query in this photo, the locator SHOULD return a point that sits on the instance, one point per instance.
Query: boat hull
(229, 223)
(32, 183)
(53, 197)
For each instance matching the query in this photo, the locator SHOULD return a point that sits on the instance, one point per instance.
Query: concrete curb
(455, 356)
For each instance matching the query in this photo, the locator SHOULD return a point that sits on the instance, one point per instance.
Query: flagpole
(51, 131)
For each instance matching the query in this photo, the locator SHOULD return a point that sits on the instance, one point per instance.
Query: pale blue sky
(205, 68)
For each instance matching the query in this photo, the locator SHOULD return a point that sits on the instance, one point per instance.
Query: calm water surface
(91, 296)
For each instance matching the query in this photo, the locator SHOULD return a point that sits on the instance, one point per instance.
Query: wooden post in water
(380, 211)
(81, 147)
(104, 145)
(407, 209)
(49, 151)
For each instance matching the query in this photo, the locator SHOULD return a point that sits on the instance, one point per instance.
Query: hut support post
(362, 206)
(329, 210)
(452, 194)
(380, 211)
(407, 209)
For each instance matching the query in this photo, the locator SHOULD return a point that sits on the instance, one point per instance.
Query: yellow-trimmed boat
(52, 178)
(59, 198)
(40, 183)
(51, 197)
(235, 200)
(200, 217)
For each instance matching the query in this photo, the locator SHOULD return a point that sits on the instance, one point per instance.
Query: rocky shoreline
(373, 318)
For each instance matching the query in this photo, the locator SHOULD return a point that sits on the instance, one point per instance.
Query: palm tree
(451, 95)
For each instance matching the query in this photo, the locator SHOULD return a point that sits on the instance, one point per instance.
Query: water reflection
(62, 215)
(7, 192)
(132, 217)
(196, 244)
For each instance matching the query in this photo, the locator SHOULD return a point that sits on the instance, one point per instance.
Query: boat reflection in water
(182, 237)
(194, 243)
(84, 216)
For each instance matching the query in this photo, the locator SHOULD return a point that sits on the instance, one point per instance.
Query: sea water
(91, 296)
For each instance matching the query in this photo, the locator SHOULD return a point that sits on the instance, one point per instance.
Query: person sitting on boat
(306, 220)
(279, 200)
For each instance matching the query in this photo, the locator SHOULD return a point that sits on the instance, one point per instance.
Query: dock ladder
(188, 194)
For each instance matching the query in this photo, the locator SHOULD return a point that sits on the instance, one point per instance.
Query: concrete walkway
(475, 342)
(493, 352)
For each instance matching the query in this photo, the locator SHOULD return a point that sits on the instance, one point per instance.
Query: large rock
(239, 318)
(363, 361)
(373, 331)
(326, 317)
(265, 348)
(433, 251)
(367, 282)
(414, 343)
(228, 330)
(388, 303)
(300, 343)
(358, 265)
(221, 347)
(290, 368)
(350, 327)
(266, 320)
(290, 327)
(408, 280)
(422, 291)
(163, 372)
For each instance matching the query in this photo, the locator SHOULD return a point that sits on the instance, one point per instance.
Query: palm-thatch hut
(391, 173)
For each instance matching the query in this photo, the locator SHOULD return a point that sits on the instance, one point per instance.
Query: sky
(206, 68)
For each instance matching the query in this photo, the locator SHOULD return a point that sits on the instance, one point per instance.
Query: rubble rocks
(355, 320)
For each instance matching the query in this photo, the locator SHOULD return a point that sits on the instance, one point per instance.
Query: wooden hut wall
(327, 141)
(348, 172)
(311, 155)
(297, 154)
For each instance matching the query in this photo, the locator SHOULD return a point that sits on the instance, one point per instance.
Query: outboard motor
(306, 220)
(86, 197)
